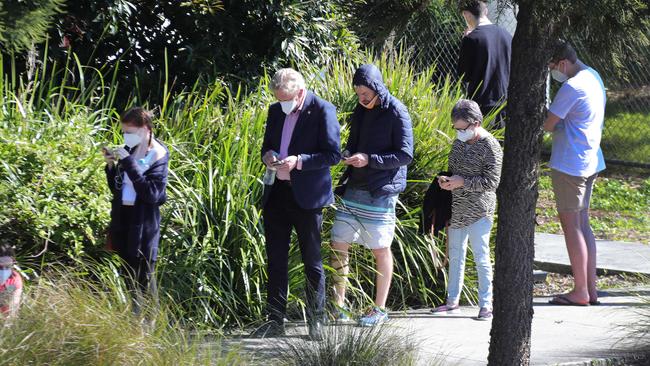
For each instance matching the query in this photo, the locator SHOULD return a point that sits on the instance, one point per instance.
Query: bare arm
(551, 121)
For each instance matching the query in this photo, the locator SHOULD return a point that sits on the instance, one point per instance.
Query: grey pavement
(561, 335)
(612, 257)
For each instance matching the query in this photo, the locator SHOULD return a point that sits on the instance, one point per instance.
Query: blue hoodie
(390, 146)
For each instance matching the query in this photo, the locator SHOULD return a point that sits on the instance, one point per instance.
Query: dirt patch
(559, 283)
(622, 94)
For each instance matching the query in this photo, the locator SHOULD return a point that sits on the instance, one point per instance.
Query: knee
(340, 252)
(383, 254)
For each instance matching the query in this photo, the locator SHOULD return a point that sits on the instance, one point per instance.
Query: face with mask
(367, 97)
(134, 136)
(465, 131)
(289, 102)
(556, 73)
(5, 269)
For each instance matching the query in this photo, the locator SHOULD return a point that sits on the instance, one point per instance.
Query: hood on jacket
(369, 76)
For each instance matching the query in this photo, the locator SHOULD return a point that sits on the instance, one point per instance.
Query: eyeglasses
(463, 129)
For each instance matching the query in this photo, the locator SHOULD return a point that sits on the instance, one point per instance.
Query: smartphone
(110, 150)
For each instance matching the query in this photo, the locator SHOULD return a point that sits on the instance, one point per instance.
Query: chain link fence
(434, 40)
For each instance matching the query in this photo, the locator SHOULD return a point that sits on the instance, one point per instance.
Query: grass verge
(619, 208)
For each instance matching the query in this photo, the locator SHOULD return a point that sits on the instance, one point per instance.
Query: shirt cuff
(299, 163)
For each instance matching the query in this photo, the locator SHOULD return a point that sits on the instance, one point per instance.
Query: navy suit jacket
(316, 138)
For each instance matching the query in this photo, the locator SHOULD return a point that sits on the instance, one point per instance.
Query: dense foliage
(212, 251)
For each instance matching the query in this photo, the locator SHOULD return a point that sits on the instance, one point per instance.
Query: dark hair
(476, 7)
(9, 237)
(563, 50)
(138, 117)
(7, 250)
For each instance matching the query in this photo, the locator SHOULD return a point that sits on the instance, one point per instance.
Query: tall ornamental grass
(212, 258)
(66, 318)
(346, 345)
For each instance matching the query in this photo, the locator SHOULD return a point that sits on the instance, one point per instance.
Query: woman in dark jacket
(137, 177)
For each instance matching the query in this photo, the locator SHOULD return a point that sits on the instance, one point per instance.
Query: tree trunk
(517, 193)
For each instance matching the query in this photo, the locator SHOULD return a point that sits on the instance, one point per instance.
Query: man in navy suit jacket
(301, 142)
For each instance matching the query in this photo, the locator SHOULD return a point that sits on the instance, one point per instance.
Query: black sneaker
(316, 330)
(269, 329)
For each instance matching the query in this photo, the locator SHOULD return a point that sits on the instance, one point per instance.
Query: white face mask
(466, 135)
(132, 140)
(371, 103)
(4, 275)
(288, 106)
(559, 76)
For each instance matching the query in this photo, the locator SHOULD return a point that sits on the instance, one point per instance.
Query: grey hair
(287, 80)
(468, 111)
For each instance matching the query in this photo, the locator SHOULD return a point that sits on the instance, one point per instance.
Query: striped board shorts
(366, 220)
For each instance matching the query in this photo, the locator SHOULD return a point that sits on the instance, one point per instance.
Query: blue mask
(4, 275)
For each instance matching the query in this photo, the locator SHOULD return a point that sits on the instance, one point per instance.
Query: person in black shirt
(484, 60)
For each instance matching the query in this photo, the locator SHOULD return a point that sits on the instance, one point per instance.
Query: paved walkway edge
(566, 269)
(639, 359)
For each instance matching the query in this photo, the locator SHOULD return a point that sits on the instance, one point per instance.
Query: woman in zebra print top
(475, 161)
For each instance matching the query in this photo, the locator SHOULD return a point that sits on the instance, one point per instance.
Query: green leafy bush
(212, 258)
(52, 187)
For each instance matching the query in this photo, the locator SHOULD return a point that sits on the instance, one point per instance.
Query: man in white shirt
(576, 119)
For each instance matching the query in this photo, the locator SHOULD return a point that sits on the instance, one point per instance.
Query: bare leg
(340, 260)
(384, 263)
(590, 241)
(578, 254)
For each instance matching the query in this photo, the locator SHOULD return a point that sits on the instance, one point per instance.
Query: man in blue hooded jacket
(379, 148)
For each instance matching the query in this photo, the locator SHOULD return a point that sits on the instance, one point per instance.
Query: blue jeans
(479, 237)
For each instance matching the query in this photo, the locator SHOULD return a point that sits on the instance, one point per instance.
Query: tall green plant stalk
(212, 255)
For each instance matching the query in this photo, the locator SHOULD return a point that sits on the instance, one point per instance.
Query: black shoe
(269, 329)
(316, 330)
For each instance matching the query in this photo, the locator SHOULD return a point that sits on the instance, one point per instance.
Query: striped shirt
(480, 166)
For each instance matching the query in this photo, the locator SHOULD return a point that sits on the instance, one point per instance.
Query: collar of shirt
(302, 104)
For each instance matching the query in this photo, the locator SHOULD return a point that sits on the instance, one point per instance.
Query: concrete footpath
(561, 335)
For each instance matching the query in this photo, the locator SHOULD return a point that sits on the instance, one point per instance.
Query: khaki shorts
(572, 193)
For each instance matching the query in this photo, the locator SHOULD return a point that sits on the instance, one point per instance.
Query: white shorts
(365, 220)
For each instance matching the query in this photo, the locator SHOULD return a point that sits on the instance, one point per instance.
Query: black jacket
(142, 233)
(436, 207)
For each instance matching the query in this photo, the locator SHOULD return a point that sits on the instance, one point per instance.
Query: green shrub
(212, 259)
(52, 186)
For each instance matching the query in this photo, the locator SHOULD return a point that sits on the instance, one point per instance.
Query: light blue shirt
(580, 104)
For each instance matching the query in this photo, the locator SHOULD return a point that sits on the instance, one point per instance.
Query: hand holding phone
(109, 155)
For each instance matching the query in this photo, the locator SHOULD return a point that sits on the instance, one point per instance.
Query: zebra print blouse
(480, 166)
